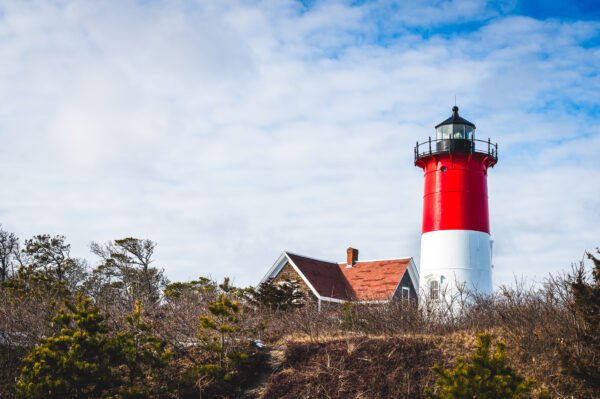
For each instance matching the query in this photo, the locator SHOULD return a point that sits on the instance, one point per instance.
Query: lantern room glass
(455, 131)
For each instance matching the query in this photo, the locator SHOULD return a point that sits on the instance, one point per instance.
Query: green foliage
(282, 296)
(48, 268)
(220, 326)
(51, 255)
(350, 318)
(72, 363)
(143, 356)
(581, 358)
(201, 286)
(82, 360)
(220, 330)
(486, 376)
(30, 282)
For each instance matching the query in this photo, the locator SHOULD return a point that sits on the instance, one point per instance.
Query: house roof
(374, 280)
(325, 277)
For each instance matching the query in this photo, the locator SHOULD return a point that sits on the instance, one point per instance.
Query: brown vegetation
(355, 368)
(348, 350)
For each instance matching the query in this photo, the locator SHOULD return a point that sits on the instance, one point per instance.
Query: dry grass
(347, 366)
(354, 368)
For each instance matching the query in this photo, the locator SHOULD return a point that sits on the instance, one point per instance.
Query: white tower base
(456, 259)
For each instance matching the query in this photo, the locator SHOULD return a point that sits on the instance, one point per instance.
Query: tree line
(120, 329)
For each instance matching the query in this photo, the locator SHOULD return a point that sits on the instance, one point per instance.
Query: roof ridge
(340, 263)
(310, 257)
(381, 260)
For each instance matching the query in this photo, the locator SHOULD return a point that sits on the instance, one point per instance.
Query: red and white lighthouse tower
(456, 248)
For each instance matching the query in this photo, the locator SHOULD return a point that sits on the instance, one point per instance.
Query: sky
(230, 131)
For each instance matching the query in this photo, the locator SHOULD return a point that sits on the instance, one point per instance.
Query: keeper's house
(353, 281)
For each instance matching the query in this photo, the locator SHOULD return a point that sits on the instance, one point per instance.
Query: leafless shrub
(23, 320)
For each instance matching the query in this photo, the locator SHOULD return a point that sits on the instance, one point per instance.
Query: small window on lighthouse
(469, 131)
(434, 289)
(462, 131)
(444, 132)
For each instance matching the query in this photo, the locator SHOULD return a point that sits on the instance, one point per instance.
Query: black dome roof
(455, 119)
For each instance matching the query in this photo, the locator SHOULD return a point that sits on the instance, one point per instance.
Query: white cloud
(231, 131)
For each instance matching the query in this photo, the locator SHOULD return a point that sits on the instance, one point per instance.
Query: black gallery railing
(431, 147)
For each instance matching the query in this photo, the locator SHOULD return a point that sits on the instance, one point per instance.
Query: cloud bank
(230, 131)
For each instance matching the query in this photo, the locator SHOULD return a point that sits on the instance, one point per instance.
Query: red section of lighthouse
(456, 244)
(455, 192)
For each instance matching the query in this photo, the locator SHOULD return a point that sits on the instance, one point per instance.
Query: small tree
(52, 256)
(486, 376)
(73, 362)
(218, 337)
(143, 355)
(48, 268)
(280, 296)
(127, 262)
(350, 318)
(82, 360)
(219, 329)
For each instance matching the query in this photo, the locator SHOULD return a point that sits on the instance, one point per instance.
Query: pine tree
(281, 296)
(201, 286)
(82, 360)
(47, 269)
(143, 356)
(219, 329)
(218, 337)
(350, 318)
(28, 282)
(487, 376)
(51, 256)
(72, 363)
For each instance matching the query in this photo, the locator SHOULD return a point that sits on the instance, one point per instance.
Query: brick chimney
(352, 256)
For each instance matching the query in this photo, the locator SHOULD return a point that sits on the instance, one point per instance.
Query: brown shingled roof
(325, 277)
(365, 281)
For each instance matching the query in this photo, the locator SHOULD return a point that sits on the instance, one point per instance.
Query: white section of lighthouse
(456, 248)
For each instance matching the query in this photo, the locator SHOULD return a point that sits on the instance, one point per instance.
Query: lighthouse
(456, 247)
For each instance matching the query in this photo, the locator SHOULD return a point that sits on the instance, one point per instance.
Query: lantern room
(455, 127)
(455, 135)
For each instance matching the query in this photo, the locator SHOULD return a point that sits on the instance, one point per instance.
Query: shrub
(350, 318)
(280, 296)
(486, 376)
(221, 337)
(82, 360)
(72, 363)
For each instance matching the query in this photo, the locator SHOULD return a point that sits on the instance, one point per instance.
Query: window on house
(405, 293)
(434, 289)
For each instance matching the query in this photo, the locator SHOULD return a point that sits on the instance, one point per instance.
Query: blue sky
(230, 131)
